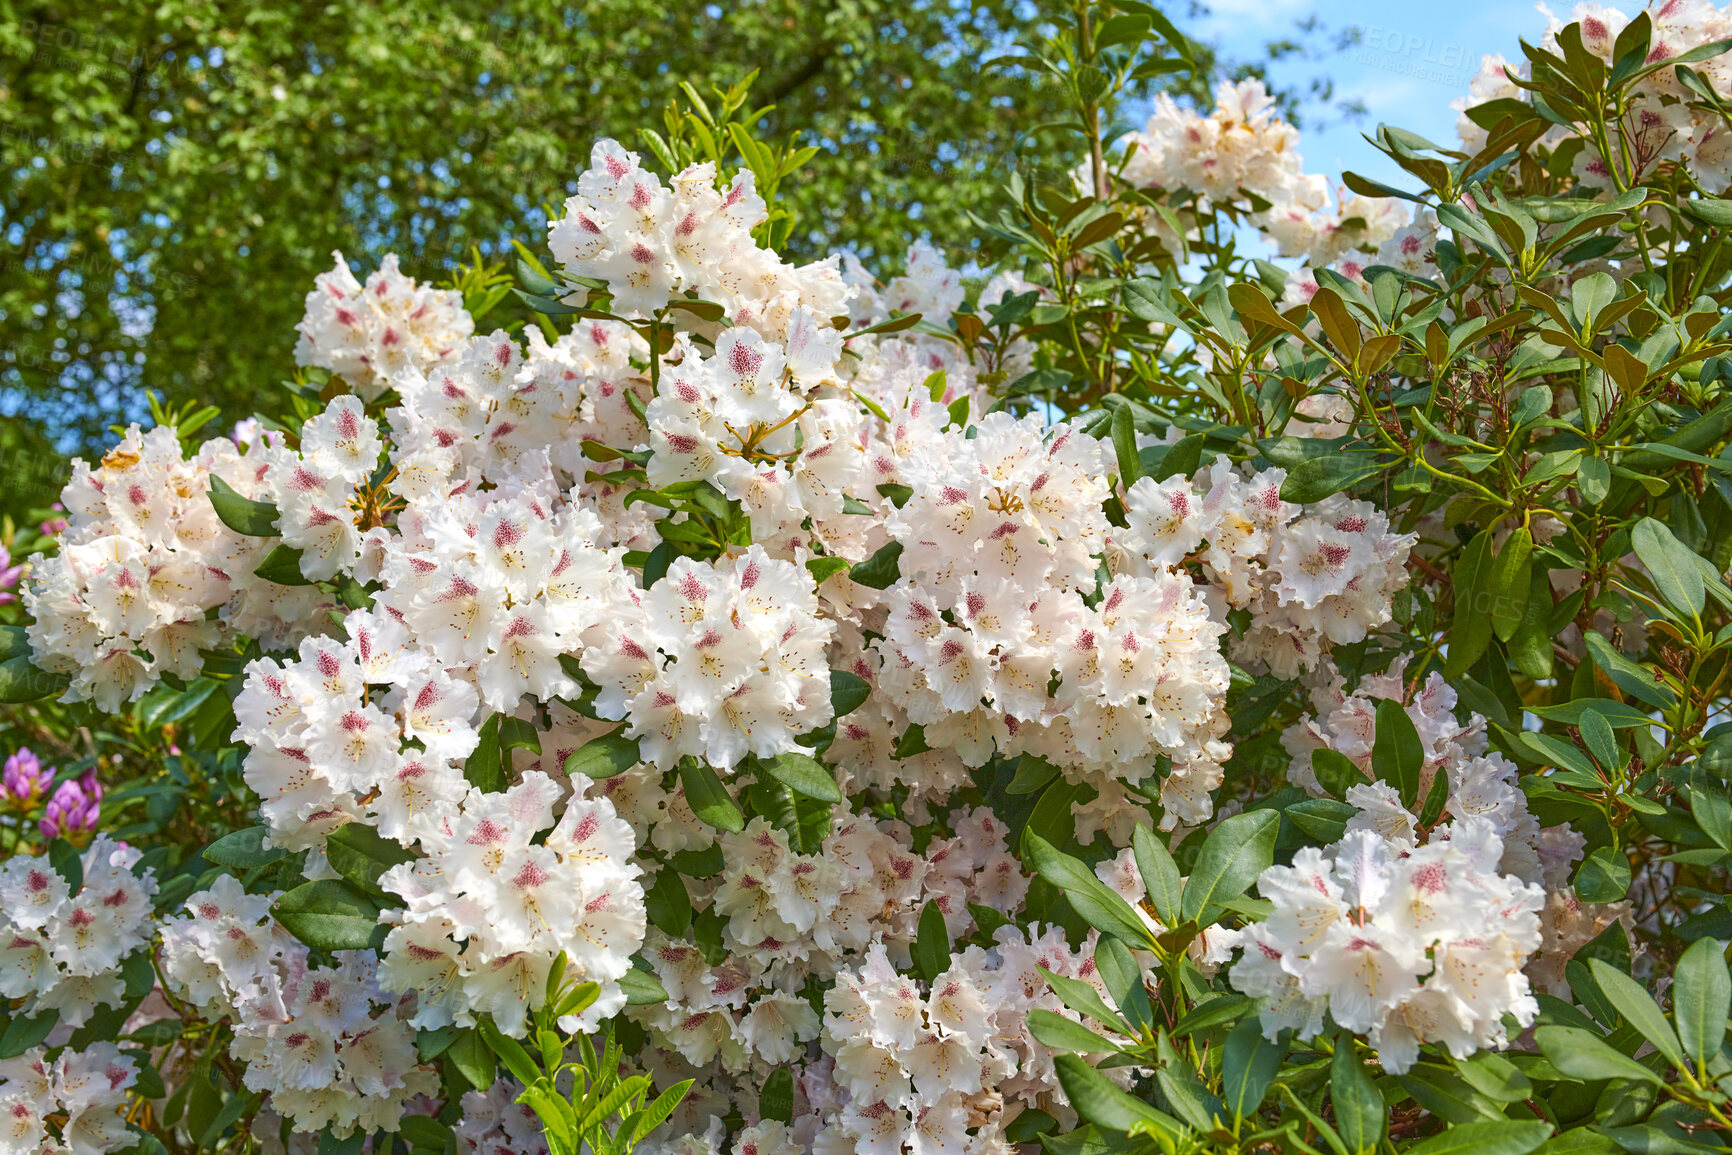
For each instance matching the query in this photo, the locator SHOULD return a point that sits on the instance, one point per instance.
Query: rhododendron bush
(1125, 696)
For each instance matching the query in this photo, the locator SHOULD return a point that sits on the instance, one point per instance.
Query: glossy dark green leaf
(242, 514)
(1397, 754)
(1359, 1109)
(1584, 1055)
(1510, 1137)
(361, 854)
(708, 798)
(1702, 1000)
(283, 566)
(1336, 772)
(1101, 906)
(668, 905)
(931, 943)
(776, 1099)
(1509, 583)
(604, 757)
(1603, 876)
(1638, 1009)
(847, 692)
(802, 774)
(330, 915)
(1060, 1034)
(1673, 566)
(1233, 855)
(1099, 1101)
(1249, 1064)
(881, 570)
(1161, 880)
(484, 769)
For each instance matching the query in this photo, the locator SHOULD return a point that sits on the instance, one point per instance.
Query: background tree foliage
(175, 174)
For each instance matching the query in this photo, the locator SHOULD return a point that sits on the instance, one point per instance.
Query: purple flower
(9, 575)
(24, 780)
(74, 808)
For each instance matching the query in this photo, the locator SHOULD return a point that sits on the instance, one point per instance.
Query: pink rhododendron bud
(24, 781)
(74, 808)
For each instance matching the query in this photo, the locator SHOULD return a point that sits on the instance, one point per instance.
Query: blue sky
(1413, 60)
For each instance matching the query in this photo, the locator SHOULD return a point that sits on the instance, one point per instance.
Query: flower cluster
(716, 661)
(493, 903)
(1479, 784)
(74, 1103)
(330, 1045)
(1415, 946)
(66, 943)
(368, 332)
(1243, 153)
(1662, 121)
(947, 1066)
(648, 243)
(143, 559)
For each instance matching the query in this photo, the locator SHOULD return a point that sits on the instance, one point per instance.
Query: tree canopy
(175, 174)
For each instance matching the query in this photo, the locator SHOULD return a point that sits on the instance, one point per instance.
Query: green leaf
(1397, 754)
(25, 1032)
(803, 774)
(1124, 433)
(1446, 1095)
(330, 915)
(708, 798)
(847, 692)
(1359, 1106)
(881, 570)
(604, 757)
(1249, 1064)
(14, 642)
(283, 566)
(242, 514)
(1637, 1009)
(641, 988)
(1323, 819)
(1161, 880)
(667, 903)
(1593, 479)
(1060, 1034)
(1233, 855)
(243, 850)
(1318, 477)
(22, 681)
(473, 1059)
(330, 1143)
(1581, 1054)
(1701, 1000)
(1508, 1137)
(1213, 1012)
(484, 769)
(776, 1099)
(361, 854)
(1674, 567)
(509, 1051)
(1633, 678)
(1336, 772)
(1495, 1077)
(1124, 981)
(1085, 1000)
(1509, 583)
(1100, 906)
(1603, 876)
(931, 943)
(1470, 628)
(67, 863)
(1032, 772)
(1098, 1101)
